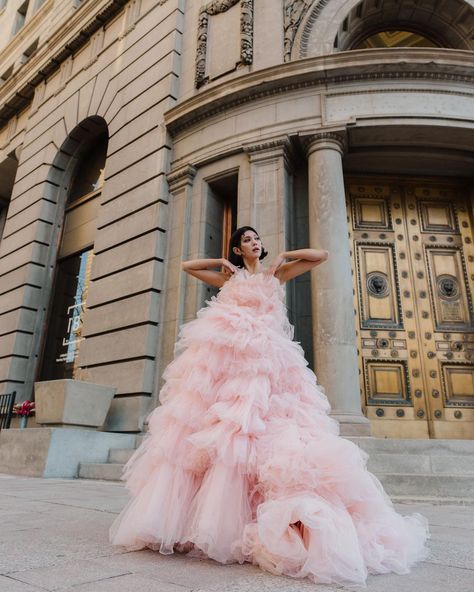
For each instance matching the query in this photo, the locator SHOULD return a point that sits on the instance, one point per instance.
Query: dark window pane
(66, 318)
(88, 175)
(395, 39)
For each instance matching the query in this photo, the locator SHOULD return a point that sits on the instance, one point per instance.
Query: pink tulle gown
(242, 460)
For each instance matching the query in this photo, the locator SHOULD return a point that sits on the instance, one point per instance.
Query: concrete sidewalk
(53, 536)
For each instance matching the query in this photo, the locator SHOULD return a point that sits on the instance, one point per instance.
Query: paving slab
(69, 574)
(54, 537)
(10, 585)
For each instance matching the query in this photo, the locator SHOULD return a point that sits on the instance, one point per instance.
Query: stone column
(334, 335)
(180, 183)
(270, 194)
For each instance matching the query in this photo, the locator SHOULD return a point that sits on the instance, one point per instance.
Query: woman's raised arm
(302, 260)
(202, 269)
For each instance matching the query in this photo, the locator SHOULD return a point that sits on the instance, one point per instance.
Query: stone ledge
(55, 452)
(342, 67)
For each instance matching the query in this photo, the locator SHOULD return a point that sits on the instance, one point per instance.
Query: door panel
(413, 271)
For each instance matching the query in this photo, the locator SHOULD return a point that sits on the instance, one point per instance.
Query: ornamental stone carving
(246, 33)
(294, 11)
(335, 140)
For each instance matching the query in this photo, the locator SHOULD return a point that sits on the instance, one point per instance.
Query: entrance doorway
(413, 270)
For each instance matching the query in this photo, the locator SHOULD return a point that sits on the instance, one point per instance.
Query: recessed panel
(437, 216)
(377, 286)
(459, 385)
(371, 214)
(448, 289)
(386, 382)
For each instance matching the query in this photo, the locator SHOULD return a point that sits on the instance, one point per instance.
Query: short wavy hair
(235, 241)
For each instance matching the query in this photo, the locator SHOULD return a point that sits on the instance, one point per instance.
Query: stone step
(432, 447)
(432, 500)
(400, 487)
(120, 455)
(439, 486)
(408, 469)
(413, 464)
(100, 471)
(139, 439)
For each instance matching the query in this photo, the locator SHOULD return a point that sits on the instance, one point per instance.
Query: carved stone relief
(246, 33)
(294, 11)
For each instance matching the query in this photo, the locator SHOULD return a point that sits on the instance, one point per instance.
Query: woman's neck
(253, 266)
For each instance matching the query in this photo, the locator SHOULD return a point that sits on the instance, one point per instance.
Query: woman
(241, 461)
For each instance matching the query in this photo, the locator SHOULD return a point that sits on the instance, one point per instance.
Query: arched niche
(78, 174)
(330, 26)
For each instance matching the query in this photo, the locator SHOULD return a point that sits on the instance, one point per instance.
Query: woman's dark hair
(235, 241)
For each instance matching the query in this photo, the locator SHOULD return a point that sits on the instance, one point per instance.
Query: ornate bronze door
(413, 270)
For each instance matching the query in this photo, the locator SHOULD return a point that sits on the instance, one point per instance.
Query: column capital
(270, 149)
(325, 141)
(180, 177)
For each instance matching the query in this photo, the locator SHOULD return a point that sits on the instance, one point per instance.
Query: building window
(20, 16)
(89, 176)
(221, 214)
(74, 264)
(386, 39)
(66, 318)
(3, 217)
(8, 169)
(6, 75)
(29, 51)
(221, 218)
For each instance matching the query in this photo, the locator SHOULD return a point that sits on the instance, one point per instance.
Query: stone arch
(331, 26)
(56, 189)
(71, 152)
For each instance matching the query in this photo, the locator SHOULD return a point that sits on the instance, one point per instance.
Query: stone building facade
(138, 134)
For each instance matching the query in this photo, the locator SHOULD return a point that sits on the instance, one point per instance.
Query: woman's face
(250, 245)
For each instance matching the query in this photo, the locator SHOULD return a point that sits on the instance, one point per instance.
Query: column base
(352, 425)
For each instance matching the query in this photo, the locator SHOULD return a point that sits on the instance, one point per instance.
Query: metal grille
(6, 409)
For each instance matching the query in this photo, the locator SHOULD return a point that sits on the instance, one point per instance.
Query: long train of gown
(242, 459)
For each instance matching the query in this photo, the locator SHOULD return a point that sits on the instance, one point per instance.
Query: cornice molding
(18, 91)
(271, 149)
(181, 177)
(399, 65)
(270, 145)
(27, 31)
(325, 141)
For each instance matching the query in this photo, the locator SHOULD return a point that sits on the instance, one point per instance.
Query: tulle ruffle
(242, 460)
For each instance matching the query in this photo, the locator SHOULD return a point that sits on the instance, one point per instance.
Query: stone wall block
(135, 376)
(134, 342)
(133, 177)
(40, 209)
(143, 277)
(24, 296)
(132, 152)
(19, 203)
(13, 369)
(136, 224)
(113, 208)
(127, 414)
(19, 319)
(14, 344)
(32, 252)
(143, 248)
(26, 274)
(37, 231)
(123, 313)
